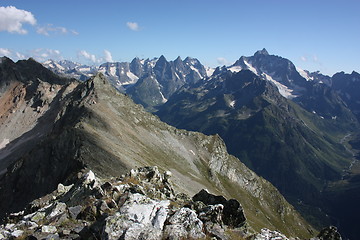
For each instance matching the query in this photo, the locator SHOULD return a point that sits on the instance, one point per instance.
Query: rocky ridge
(139, 205)
(94, 126)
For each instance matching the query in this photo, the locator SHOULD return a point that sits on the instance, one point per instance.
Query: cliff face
(90, 125)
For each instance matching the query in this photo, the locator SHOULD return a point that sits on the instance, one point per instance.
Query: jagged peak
(98, 80)
(261, 52)
(178, 59)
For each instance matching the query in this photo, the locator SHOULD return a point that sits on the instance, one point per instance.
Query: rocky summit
(139, 205)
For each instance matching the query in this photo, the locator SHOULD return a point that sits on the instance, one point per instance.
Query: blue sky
(314, 35)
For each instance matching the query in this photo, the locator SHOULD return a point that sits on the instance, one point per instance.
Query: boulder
(232, 215)
(267, 234)
(138, 216)
(184, 224)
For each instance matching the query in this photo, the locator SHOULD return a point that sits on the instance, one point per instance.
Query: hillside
(90, 125)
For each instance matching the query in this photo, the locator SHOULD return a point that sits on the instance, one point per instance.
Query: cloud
(49, 28)
(5, 52)
(303, 58)
(43, 54)
(12, 19)
(134, 26)
(222, 61)
(88, 56)
(108, 56)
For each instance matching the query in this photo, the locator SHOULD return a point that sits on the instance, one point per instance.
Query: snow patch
(112, 71)
(235, 69)
(250, 67)
(196, 70)
(284, 90)
(304, 74)
(232, 103)
(209, 71)
(132, 76)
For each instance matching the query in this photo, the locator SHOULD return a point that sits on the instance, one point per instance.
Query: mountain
(297, 150)
(68, 68)
(52, 128)
(149, 82)
(348, 86)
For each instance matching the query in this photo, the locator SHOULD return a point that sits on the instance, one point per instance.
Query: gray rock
(56, 209)
(212, 213)
(48, 229)
(267, 234)
(17, 233)
(74, 211)
(139, 216)
(184, 224)
(233, 214)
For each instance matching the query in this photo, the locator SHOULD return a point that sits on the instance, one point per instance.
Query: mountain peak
(262, 52)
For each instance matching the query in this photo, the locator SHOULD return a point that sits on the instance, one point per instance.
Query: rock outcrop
(139, 205)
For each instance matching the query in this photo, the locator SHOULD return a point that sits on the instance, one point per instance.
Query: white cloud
(222, 61)
(108, 56)
(5, 52)
(49, 28)
(87, 56)
(12, 19)
(41, 54)
(303, 58)
(133, 26)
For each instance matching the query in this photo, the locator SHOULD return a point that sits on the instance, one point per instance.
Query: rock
(212, 213)
(90, 180)
(57, 209)
(61, 188)
(267, 234)
(38, 216)
(329, 233)
(52, 237)
(17, 233)
(233, 214)
(184, 223)
(216, 231)
(138, 212)
(48, 229)
(139, 231)
(74, 211)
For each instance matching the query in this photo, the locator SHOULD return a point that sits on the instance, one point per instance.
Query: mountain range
(54, 128)
(295, 128)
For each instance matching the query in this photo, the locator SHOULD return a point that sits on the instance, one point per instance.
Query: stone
(61, 188)
(74, 211)
(233, 214)
(138, 212)
(187, 219)
(38, 216)
(267, 234)
(52, 237)
(212, 213)
(57, 209)
(48, 229)
(90, 180)
(17, 233)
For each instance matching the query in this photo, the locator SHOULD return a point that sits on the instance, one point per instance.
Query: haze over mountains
(299, 130)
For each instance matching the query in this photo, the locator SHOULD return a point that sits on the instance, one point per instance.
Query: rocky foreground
(139, 205)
